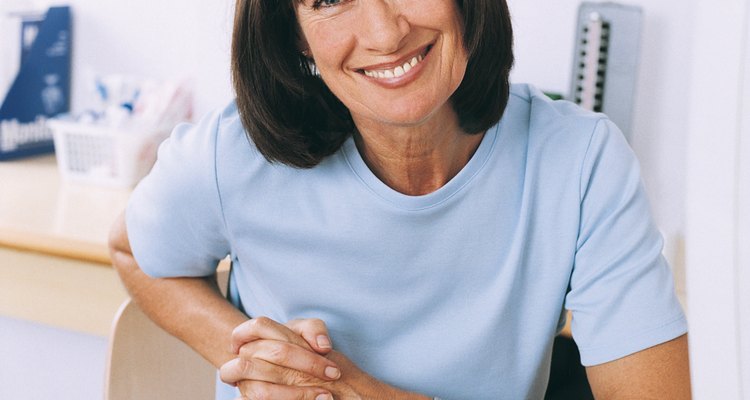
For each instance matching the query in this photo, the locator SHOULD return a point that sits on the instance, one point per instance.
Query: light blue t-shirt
(458, 293)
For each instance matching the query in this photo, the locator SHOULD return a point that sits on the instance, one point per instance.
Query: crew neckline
(414, 203)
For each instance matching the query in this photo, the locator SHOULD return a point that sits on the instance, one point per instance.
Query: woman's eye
(325, 3)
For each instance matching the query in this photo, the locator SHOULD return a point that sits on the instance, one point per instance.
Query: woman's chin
(403, 115)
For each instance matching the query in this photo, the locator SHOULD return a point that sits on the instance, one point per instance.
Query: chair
(144, 362)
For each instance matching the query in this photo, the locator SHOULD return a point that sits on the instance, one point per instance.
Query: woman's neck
(416, 160)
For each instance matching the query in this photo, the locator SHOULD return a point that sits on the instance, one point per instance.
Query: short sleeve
(621, 290)
(174, 218)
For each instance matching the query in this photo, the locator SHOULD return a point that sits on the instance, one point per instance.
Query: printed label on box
(41, 89)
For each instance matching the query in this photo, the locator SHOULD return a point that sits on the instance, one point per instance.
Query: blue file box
(41, 89)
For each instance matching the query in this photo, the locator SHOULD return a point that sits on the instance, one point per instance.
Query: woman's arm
(659, 372)
(178, 305)
(194, 311)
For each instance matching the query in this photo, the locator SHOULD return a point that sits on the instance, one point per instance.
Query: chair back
(144, 362)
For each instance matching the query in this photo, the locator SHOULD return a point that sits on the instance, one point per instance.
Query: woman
(401, 222)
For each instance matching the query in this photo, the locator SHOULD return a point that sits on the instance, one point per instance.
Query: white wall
(718, 202)
(545, 32)
(743, 270)
(161, 39)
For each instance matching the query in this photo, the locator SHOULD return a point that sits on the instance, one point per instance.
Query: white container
(104, 156)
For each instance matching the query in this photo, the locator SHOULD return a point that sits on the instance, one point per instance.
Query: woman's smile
(399, 73)
(393, 63)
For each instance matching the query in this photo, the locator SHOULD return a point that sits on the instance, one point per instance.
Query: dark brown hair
(292, 117)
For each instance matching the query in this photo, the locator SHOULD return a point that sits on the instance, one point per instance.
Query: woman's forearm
(192, 309)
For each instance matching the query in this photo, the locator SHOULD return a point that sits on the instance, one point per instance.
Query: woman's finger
(315, 333)
(291, 356)
(302, 371)
(264, 328)
(264, 390)
(235, 370)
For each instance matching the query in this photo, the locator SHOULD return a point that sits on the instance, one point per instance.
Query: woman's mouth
(399, 70)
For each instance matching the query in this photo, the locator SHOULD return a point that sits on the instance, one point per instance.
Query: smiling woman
(401, 221)
(275, 74)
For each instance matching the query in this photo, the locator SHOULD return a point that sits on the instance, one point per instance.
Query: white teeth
(396, 72)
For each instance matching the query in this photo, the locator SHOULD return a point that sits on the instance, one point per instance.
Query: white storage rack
(104, 156)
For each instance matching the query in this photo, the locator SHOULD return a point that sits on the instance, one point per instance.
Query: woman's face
(389, 61)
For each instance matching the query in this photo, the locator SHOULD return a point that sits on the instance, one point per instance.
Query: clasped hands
(296, 361)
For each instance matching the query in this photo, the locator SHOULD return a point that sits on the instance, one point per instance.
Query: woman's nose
(382, 26)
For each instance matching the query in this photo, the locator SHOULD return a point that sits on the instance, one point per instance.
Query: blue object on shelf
(41, 89)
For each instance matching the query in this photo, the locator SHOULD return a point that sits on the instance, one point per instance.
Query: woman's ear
(302, 45)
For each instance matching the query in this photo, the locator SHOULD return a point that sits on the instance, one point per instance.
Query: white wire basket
(104, 156)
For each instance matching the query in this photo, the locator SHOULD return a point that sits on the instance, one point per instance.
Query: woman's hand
(284, 362)
(355, 384)
(276, 362)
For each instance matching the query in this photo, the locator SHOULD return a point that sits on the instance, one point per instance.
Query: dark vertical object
(567, 380)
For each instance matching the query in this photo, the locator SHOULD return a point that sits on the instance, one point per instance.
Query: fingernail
(324, 396)
(324, 342)
(333, 372)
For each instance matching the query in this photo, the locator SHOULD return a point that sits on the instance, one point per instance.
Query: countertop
(40, 212)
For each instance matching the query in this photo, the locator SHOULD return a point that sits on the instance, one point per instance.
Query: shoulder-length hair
(293, 118)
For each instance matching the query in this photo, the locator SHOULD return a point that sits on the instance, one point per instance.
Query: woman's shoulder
(230, 132)
(560, 123)
(559, 135)
(194, 153)
(216, 135)
(203, 134)
(543, 111)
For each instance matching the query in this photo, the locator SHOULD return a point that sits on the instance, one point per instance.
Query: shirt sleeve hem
(602, 354)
